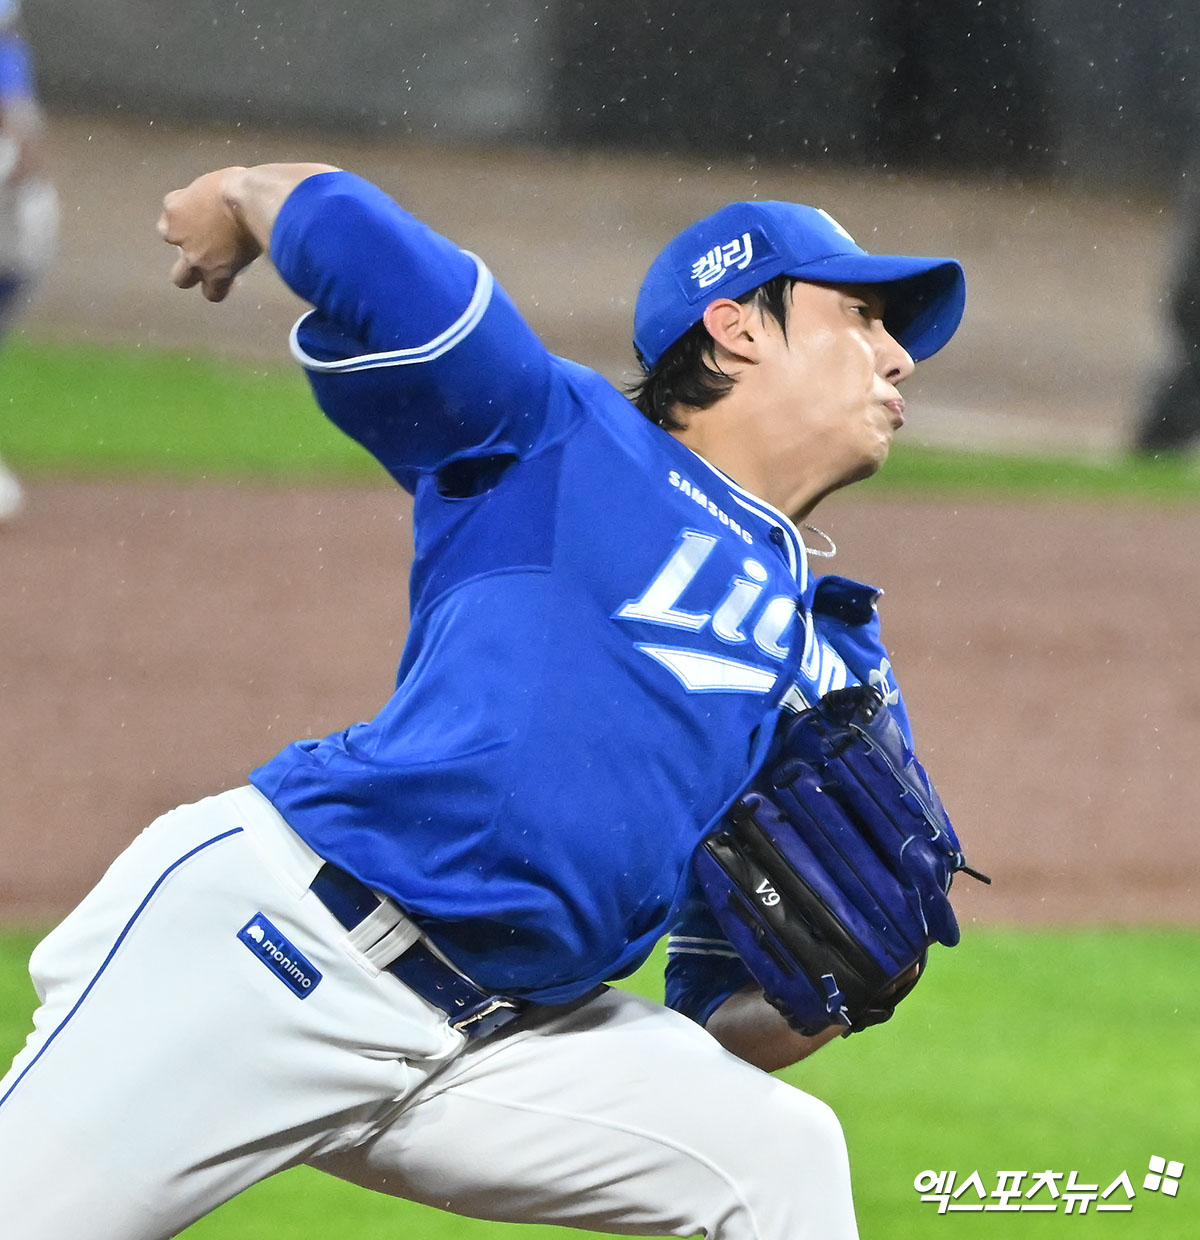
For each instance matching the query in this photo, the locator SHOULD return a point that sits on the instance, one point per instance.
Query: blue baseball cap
(741, 246)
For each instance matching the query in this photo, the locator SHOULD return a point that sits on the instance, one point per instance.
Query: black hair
(687, 373)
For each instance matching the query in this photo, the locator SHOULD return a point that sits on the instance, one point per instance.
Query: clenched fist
(214, 240)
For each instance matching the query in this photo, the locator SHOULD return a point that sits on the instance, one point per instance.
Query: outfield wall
(463, 69)
(1091, 90)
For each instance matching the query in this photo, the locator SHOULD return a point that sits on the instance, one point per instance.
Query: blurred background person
(1169, 423)
(28, 201)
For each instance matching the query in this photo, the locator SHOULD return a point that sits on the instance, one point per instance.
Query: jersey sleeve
(411, 348)
(703, 969)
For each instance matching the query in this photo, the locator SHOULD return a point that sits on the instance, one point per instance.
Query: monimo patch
(281, 956)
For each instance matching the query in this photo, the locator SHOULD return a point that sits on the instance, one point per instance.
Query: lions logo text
(742, 617)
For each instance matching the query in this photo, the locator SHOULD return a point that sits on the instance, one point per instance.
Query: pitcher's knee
(805, 1146)
(787, 1178)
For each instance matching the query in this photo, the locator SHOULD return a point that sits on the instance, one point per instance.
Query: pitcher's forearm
(750, 1028)
(255, 195)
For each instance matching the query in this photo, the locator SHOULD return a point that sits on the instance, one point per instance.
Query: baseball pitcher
(624, 703)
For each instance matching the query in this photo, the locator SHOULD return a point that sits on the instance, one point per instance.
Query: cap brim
(924, 297)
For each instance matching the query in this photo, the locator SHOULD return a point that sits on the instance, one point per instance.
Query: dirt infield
(160, 639)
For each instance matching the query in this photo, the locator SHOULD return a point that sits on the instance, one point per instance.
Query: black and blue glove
(831, 875)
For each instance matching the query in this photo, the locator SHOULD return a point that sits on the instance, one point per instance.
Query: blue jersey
(603, 627)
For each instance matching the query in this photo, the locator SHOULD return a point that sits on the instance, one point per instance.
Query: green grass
(89, 411)
(1120, 479)
(1021, 1050)
(86, 411)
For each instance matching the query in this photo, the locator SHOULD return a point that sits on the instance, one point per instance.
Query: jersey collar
(791, 544)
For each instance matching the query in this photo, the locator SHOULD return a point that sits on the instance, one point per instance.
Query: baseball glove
(831, 875)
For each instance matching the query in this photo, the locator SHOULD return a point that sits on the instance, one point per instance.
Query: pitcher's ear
(732, 326)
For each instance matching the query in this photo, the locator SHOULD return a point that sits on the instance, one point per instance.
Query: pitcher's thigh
(169, 1067)
(623, 1117)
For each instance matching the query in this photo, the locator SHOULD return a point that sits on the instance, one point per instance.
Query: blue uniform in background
(28, 201)
(16, 64)
(604, 628)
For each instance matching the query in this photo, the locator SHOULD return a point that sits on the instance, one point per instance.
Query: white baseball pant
(169, 1069)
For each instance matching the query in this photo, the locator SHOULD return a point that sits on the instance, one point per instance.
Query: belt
(471, 1010)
